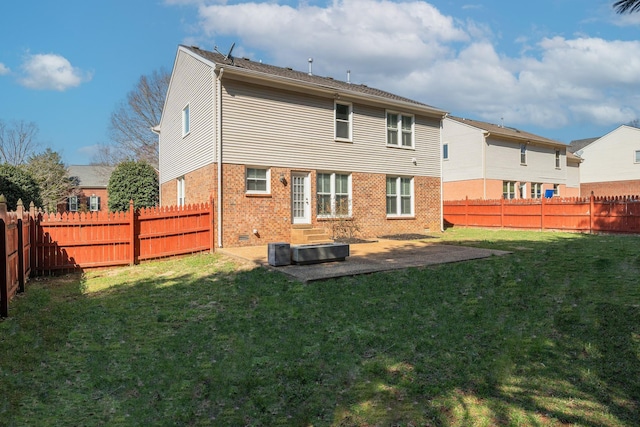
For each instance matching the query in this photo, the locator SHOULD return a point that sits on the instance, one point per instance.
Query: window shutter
(98, 202)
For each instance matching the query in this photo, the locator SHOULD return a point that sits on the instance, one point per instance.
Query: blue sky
(564, 69)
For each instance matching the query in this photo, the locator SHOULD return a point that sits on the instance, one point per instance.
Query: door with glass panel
(301, 198)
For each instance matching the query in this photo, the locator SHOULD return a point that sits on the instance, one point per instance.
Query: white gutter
(219, 150)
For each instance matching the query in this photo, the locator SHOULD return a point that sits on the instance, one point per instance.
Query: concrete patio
(371, 257)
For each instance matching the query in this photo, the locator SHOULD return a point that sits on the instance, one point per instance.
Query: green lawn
(547, 336)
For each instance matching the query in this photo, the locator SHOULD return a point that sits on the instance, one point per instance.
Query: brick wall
(270, 215)
(474, 189)
(614, 188)
(83, 200)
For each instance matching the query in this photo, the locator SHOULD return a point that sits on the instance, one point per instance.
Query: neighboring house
(611, 164)
(90, 194)
(486, 161)
(281, 151)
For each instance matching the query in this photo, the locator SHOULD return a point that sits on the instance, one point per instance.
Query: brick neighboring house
(284, 152)
(486, 161)
(90, 195)
(611, 163)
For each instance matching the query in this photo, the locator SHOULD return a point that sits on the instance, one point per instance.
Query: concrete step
(309, 235)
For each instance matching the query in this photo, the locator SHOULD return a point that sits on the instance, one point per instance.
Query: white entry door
(301, 198)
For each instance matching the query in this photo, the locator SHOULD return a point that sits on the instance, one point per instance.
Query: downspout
(484, 164)
(442, 175)
(219, 151)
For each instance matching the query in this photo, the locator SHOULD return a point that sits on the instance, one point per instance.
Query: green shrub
(16, 183)
(137, 181)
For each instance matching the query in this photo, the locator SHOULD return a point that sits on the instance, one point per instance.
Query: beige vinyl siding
(573, 174)
(193, 84)
(274, 127)
(612, 157)
(465, 152)
(503, 162)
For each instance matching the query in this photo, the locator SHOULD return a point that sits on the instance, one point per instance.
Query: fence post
(592, 206)
(502, 212)
(466, 212)
(212, 228)
(132, 233)
(542, 203)
(20, 212)
(4, 290)
(33, 223)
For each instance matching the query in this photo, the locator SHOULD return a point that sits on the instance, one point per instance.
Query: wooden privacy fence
(36, 243)
(15, 246)
(72, 241)
(588, 214)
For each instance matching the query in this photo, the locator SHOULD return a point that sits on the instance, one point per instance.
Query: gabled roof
(304, 78)
(91, 176)
(578, 144)
(507, 132)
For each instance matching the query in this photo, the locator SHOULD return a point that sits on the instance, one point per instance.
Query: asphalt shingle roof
(289, 73)
(91, 176)
(579, 144)
(506, 131)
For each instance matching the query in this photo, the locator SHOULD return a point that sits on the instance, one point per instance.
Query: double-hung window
(333, 194)
(508, 190)
(343, 119)
(186, 120)
(557, 159)
(523, 154)
(257, 180)
(536, 190)
(400, 130)
(180, 191)
(73, 203)
(399, 196)
(94, 203)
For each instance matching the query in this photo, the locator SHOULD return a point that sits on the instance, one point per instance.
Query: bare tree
(17, 141)
(133, 119)
(626, 6)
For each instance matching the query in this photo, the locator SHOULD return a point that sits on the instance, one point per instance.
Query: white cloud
(52, 72)
(412, 49)
(4, 69)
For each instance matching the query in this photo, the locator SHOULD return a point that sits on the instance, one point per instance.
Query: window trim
(267, 180)
(637, 156)
(398, 196)
(556, 190)
(186, 120)
(557, 159)
(522, 190)
(399, 129)
(523, 154)
(93, 198)
(536, 190)
(180, 190)
(445, 151)
(349, 121)
(333, 195)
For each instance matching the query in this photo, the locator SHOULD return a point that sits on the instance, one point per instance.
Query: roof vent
(349, 76)
(310, 66)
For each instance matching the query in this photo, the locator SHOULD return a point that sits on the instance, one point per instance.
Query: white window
(536, 190)
(399, 196)
(400, 130)
(557, 159)
(523, 154)
(523, 190)
(343, 113)
(508, 190)
(180, 191)
(637, 156)
(445, 152)
(73, 203)
(257, 181)
(333, 194)
(186, 121)
(94, 203)
(556, 190)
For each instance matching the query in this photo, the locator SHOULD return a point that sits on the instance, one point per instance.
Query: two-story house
(90, 191)
(611, 163)
(486, 161)
(280, 150)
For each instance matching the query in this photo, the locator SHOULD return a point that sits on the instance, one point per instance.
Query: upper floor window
(445, 152)
(180, 191)
(94, 203)
(637, 156)
(343, 113)
(523, 154)
(508, 190)
(73, 203)
(257, 180)
(186, 121)
(557, 159)
(399, 196)
(334, 194)
(400, 130)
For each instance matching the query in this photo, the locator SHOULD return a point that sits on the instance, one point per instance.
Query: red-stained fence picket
(15, 245)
